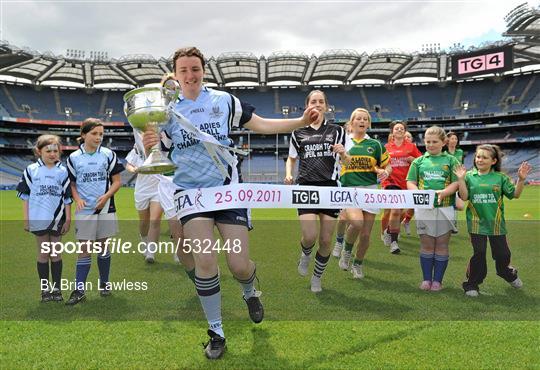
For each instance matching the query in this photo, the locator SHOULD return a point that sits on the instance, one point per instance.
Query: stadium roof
(342, 66)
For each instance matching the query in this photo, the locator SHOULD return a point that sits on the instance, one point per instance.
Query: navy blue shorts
(235, 216)
(46, 232)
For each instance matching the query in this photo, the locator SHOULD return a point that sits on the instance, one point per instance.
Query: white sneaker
(471, 293)
(337, 249)
(386, 238)
(394, 248)
(316, 284)
(357, 272)
(518, 284)
(407, 227)
(303, 264)
(149, 257)
(176, 259)
(345, 260)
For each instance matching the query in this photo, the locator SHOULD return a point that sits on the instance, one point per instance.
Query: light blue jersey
(47, 192)
(215, 113)
(92, 173)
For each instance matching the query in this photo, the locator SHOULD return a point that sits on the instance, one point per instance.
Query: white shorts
(142, 202)
(373, 211)
(435, 222)
(94, 227)
(166, 189)
(146, 191)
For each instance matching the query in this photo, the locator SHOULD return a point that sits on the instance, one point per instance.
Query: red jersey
(399, 163)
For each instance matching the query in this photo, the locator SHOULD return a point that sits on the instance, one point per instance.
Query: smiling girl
(484, 187)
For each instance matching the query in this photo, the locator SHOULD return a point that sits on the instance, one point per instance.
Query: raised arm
(523, 172)
(460, 172)
(281, 125)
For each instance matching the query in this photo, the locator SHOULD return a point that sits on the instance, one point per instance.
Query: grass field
(383, 321)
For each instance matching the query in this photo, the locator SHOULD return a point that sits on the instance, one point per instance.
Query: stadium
(44, 93)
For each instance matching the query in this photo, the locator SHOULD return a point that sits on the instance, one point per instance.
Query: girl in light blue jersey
(95, 177)
(45, 191)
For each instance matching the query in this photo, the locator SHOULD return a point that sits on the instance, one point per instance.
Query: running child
(402, 152)
(366, 161)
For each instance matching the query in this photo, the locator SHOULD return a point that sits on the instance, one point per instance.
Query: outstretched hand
(524, 170)
(460, 171)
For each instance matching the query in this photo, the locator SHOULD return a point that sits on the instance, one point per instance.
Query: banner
(248, 195)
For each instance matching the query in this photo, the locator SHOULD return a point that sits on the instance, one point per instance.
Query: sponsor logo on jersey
(216, 113)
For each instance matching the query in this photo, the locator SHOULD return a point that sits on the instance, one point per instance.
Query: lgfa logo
(341, 196)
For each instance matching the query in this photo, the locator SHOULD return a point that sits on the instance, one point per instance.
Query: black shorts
(393, 187)
(46, 232)
(235, 216)
(334, 213)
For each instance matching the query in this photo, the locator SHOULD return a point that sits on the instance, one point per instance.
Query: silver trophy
(147, 108)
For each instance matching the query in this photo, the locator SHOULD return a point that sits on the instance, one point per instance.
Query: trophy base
(156, 168)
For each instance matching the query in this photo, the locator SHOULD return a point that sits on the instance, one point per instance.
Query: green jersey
(485, 211)
(458, 154)
(434, 172)
(366, 154)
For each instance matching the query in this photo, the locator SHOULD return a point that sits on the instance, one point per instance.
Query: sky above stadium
(261, 27)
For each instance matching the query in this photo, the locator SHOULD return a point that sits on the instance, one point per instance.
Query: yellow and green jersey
(458, 154)
(365, 154)
(485, 211)
(434, 172)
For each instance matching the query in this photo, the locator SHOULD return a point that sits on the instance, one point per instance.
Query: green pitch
(381, 321)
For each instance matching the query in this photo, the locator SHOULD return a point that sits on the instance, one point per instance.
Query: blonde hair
(45, 140)
(437, 131)
(358, 110)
